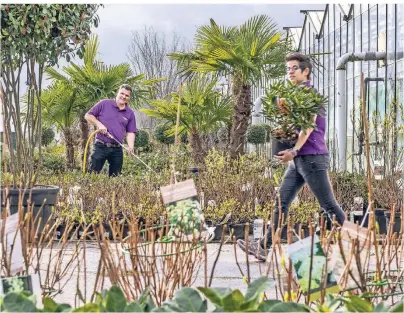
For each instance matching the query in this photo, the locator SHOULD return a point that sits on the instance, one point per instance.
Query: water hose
(85, 150)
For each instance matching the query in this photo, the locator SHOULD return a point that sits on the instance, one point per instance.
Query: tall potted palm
(34, 36)
(248, 54)
(202, 110)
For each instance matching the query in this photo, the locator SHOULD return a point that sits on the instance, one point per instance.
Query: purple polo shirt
(315, 144)
(118, 122)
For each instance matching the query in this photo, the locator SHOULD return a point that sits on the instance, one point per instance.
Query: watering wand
(131, 153)
(112, 137)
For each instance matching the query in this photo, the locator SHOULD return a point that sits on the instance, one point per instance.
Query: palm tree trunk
(69, 140)
(197, 152)
(241, 117)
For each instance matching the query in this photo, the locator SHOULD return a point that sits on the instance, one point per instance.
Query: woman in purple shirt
(308, 164)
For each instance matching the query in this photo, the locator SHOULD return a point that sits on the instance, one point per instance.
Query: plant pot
(61, 230)
(280, 145)
(89, 233)
(193, 170)
(397, 221)
(218, 232)
(380, 220)
(237, 230)
(42, 197)
(305, 228)
(356, 217)
(107, 230)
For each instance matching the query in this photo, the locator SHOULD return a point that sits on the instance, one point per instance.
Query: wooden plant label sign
(184, 210)
(179, 191)
(355, 246)
(299, 253)
(13, 244)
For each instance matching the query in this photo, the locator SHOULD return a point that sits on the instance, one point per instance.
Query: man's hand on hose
(102, 128)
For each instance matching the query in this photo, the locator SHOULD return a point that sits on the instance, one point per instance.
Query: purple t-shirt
(118, 122)
(315, 144)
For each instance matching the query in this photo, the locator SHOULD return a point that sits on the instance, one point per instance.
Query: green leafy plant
(141, 139)
(300, 106)
(48, 135)
(256, 134)
(160, 133)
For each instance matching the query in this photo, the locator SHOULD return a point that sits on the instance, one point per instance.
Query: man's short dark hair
(126, 86)
(304, 61)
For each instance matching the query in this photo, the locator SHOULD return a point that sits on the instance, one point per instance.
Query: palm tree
(202, 110)
(59, 107)
(249, 54)
(95, 81)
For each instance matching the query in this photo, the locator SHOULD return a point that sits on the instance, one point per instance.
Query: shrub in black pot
(42, 198)
(237, 230)
(380, 218)
(396, 219)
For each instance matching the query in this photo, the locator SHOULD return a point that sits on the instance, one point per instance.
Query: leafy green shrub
(161, 136)
(305, 102)
(141, 138)
(53, 163)
(256, 134)
(48, 135)
(190, 300)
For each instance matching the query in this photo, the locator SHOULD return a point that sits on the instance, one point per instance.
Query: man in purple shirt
(308, 164)
(115, 117)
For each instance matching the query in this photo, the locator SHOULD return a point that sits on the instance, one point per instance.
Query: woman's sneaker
(254, 248)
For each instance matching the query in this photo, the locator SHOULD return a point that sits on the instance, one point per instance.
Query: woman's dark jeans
(310, 170)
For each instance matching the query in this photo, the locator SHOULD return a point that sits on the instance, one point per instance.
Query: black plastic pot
(89, 233)
(42, 197)
(237, 230)
(397, 221)
(61, 229)
(278, 145)
(305, 228)
(218, 232)
(380, 220)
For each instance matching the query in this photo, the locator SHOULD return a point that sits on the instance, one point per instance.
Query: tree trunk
(197, 152)
(85, 132)
(69, 140)
(241, 117)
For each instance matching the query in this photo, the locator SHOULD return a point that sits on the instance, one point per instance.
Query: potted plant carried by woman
(287, 117)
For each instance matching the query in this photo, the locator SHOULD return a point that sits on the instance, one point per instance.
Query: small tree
(48, 135)
(256, 134)
(34, 36)
(160, 133)
(141, 139)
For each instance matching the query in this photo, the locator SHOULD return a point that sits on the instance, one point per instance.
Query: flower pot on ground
(218, 232)
(89, 232)
(41, 197)
(396, 220)
(237, 230)
(380, 218)
(296, 227)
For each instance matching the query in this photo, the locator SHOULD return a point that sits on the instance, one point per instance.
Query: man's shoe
(254, 248)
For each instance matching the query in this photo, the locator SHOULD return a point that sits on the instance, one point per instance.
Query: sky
(118, 21)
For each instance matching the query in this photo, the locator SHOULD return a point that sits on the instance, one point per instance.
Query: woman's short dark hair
(304, 61)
